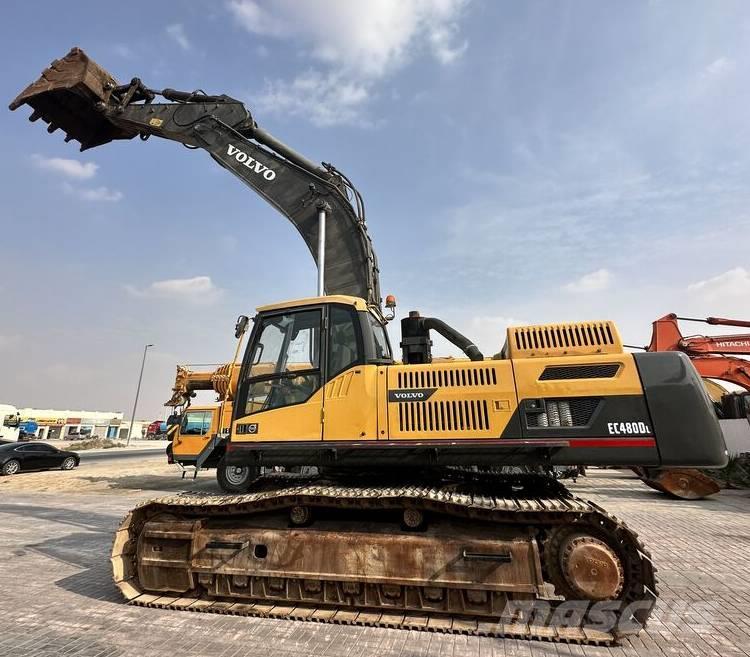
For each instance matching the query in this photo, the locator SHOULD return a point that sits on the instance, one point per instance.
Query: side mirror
(241, 326)
(390, 303)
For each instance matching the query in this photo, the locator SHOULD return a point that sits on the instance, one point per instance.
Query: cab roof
(357, 302)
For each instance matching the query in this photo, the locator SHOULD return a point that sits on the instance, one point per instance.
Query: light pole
(137, 392)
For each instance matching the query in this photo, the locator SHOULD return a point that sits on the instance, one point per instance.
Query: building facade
(78, 425)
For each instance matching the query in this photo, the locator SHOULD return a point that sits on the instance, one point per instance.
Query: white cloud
(368, 38)
(198, 290)
(356, 43)
(76, 170)
(719, 68)
(257, 19)
(94, 194)
(591, 282)
(442, 39)
(732, 283)
(65, 167)
(324, 99)
(177, 33)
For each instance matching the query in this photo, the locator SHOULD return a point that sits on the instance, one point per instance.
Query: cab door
(193, 434)
(280, 397)
(351, 385)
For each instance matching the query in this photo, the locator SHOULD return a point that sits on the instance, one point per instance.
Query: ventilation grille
(558, 372)
(448, 378)
(444, 416)
(568, 335)
(563, 339)
(575, 412)
(339, 387)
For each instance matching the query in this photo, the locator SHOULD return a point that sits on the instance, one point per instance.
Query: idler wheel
(591, 568)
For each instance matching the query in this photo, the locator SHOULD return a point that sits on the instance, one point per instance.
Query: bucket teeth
(73, 94)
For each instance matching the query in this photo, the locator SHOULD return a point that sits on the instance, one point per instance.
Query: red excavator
(715, 357)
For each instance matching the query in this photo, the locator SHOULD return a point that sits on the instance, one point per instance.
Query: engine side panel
(448, 401)
(350, 404)
(686, 425)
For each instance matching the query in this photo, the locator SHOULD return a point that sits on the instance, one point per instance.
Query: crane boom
(222, 380)
(86, 102)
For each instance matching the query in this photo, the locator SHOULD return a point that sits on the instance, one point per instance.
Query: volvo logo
(252, 164)
(410, 395)
(247, 428)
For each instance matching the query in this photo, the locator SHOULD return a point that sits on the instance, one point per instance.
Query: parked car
(15, 457)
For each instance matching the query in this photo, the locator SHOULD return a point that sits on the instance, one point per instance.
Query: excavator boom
(708, 353)
(79, 97)
(666, 336)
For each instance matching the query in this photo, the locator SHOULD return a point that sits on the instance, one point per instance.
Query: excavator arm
(79, 97)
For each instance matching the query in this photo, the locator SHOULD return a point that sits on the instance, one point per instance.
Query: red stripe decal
(613, 442)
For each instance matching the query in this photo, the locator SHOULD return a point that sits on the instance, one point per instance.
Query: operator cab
(298, 347)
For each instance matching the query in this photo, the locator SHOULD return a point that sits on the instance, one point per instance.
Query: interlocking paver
(57, 597)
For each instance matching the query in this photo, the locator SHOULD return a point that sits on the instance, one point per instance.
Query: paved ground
(157, 454)
(57, 598)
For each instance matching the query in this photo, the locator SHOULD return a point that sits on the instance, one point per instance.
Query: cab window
(344, 349)
(196, 423)
(284, 364)
(382, 346)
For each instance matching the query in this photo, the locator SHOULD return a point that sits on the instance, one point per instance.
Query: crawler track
(528, 505)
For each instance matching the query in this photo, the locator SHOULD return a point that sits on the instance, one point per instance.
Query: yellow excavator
(407, 522)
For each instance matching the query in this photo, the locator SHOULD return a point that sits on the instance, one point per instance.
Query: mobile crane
(198, 434)
(402, 527)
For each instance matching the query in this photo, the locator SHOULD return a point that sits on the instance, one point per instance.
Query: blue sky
(520, 162)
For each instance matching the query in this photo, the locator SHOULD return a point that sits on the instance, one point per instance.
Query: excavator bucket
(680, 483)
(70, 95)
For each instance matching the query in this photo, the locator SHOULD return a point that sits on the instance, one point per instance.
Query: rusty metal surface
(680, 483)
(66, 97)
(592, 568)
(449, 565)
(190, 578)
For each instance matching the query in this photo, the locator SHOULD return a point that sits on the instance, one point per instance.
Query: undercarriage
(475, 553)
